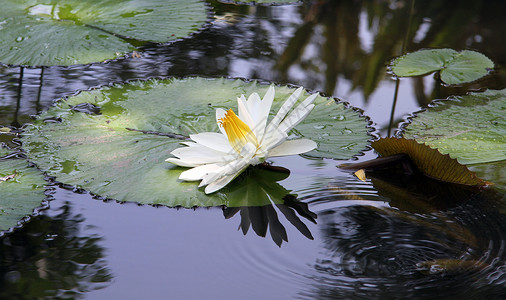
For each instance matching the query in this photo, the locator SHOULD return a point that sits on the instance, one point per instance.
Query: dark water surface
(361, 240)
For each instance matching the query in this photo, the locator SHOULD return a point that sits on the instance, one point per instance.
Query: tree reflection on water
(49, 256)
(319, 44)
(417, 248)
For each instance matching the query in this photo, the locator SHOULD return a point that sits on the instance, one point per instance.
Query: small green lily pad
(455, 67)
(21, 189)
(120, 152)
(57, 32)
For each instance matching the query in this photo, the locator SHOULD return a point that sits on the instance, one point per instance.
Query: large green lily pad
(58, 32)
(494, 172)
(455, 67)
(21, 189)
(120, 153)
(470, 128)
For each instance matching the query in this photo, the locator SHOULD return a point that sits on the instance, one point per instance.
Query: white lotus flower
(217, 158)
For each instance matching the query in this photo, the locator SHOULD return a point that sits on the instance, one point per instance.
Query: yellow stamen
(238, 133)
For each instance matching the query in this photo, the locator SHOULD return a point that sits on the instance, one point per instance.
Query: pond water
(360, 240)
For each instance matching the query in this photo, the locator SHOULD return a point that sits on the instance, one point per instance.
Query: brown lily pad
(429, 161)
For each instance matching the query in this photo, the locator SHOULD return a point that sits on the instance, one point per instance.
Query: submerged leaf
(455, 67)
(429, 161)
(47, 33)
(418, 193)
(450, 266)
(120, 153)
(21, 190)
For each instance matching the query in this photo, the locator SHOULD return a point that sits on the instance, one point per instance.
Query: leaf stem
(397, 81)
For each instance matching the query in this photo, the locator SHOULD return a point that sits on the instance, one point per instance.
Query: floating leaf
(494, 172)
(429, 161)
(450, 266)
(120, 153)
(46, 33)
(455, 67)
(471, 128)
(21, 190)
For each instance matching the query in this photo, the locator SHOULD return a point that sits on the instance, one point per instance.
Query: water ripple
(379, 251)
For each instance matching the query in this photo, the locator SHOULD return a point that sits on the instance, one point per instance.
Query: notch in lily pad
(22, 190)
(454, 67)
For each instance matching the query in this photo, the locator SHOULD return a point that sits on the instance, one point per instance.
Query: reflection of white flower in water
(247, 139)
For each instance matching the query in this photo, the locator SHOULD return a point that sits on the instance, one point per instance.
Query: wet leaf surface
(454, 67)
(21, 190)
(47, 33)
(470, 128)
(142, 122)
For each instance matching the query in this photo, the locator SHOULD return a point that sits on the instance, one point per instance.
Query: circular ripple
(287, 266)
(385, 252)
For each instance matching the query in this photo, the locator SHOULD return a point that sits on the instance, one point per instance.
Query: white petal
(248, 150)
(241, 106)
(261, 113)
(220, 183)
(231, 167)
(198, 172)
(295, 117)
(310, 99)
(292, 147)
(220, 114)
(254, 106)
(267, 101)
(180, 163)
(284, 109)
(189, 143)
(254, 102)
(244, 113)
(272, 139)
(213, 140)
(198, 155)
(298, 114)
